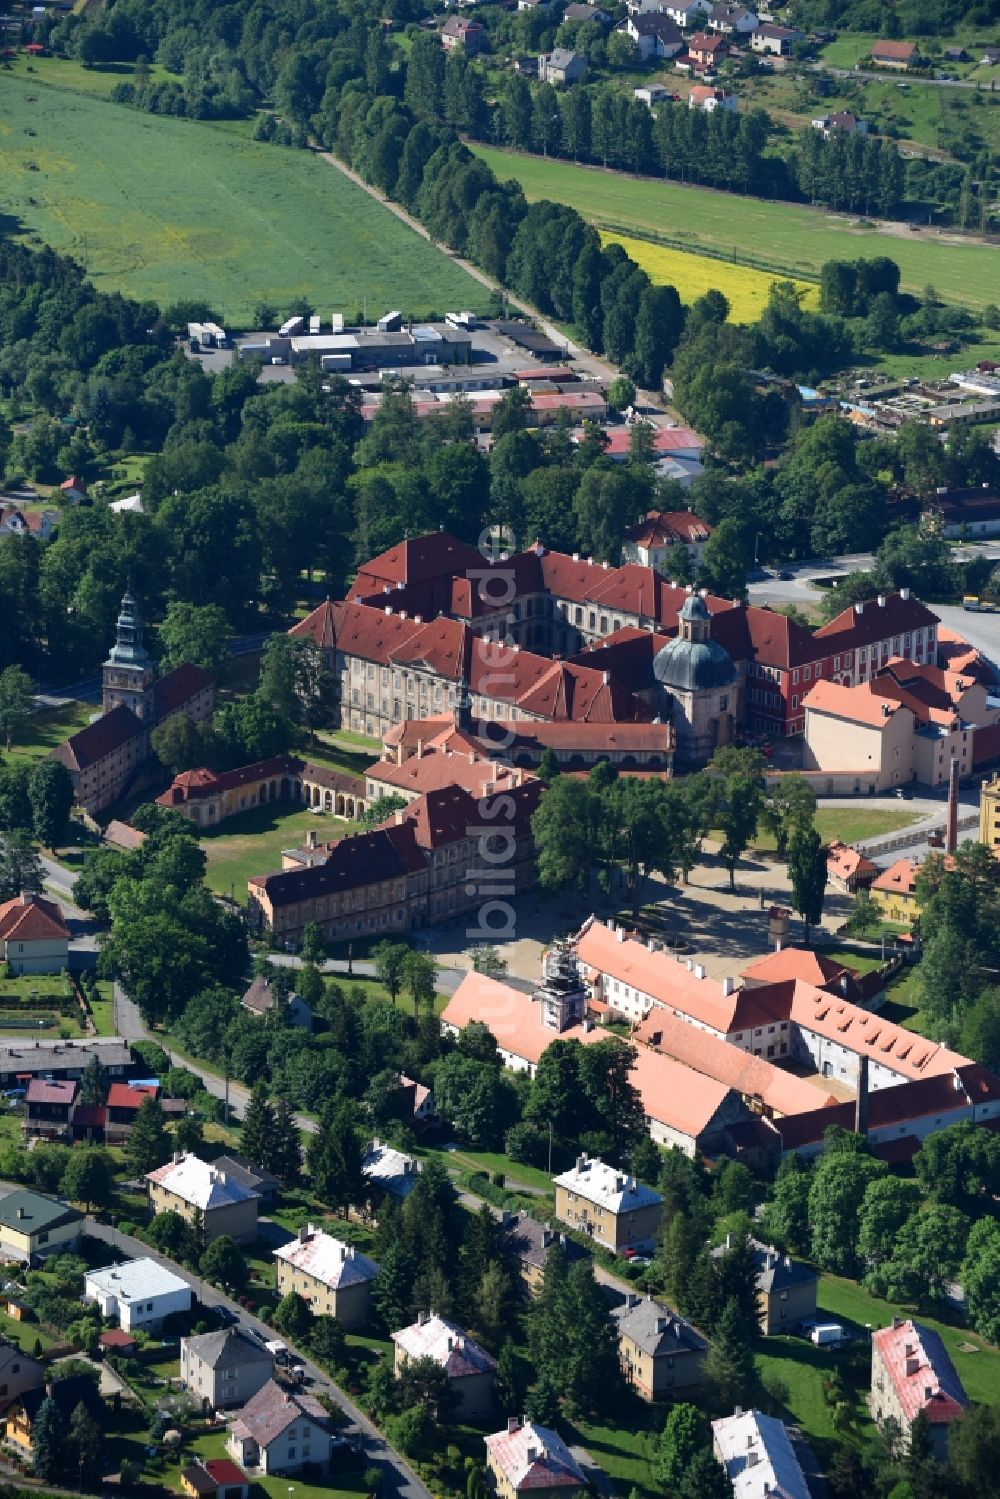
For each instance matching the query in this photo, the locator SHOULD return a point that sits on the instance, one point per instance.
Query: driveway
(399, 1476)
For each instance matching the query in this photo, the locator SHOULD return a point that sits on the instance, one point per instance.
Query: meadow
(746, 290)
(792, 239)
(172, 209)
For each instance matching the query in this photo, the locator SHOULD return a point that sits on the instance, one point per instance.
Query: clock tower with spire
(128, 672)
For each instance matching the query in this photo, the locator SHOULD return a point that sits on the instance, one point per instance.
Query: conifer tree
(257, 1132)
(48, 1435)
(730, 1364)
(286, 1154)
(148, 1145)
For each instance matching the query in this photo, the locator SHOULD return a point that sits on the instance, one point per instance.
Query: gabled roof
(198, 1183)
(758, 1457)
(896, 51)
(606, 1187)
(227, 1343)
(272, 1410)
(99, 739)
(127, 1096)
(899, 879)
(177, 687)
(863, 704)
(29, 918)
(795, 963)
(921, 1372)
(844, 862)
(327, 1259)
(449, 1346)
(656, 1328)
(29, 1213)
(534, 1457)
(43, 1090)
(436, 555)
(870, 622)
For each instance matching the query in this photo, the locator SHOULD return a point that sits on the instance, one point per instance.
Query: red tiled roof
(794, 963)
(845, 862)
(124, 1096)
(100, 739)
(190, 785)
(895, 51)
(899, 879)
(921, 1372)
(779, 641)
(225, 1472)
(123, 835)
(30, 918)
(870, 622)
(45, 1090)
(436, 555)
(114, 1337)
(172, 691)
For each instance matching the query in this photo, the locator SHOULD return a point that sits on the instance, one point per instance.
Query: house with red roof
(469, 1368)
(652, 542)
(34, 937)
(847, 869)
(896, 55)
(527, 1458)
(913, 1375)
(707, 49)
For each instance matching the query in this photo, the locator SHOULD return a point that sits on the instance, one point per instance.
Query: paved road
(399, 1476)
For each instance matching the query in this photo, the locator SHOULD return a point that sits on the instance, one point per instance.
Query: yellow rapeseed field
(746, 290)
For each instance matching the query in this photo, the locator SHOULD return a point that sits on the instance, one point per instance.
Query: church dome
(693, 662)
(693, 666)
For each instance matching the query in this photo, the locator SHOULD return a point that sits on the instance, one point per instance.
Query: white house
(704, 96)
(279, 1431)
(730, 20)
(654, 33)
(389, 1170)
(687, 13)
(140, 1293)
(758, 1456)
(34, 938)
(841, 119)
(653, 93)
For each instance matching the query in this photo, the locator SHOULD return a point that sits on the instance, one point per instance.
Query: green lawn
(849, 824)
(492, 1162)
(102, 1010)
(49, 727)
(790, 237)
(213, 1444)
(167, 208)
(626, 1450)
(846, 1302)
(64, 72)
(902, 1001)
(372, 989)
(251, 843)
(351, 753)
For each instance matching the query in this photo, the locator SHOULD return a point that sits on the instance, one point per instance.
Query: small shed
(18, 1310)
(116, 1340)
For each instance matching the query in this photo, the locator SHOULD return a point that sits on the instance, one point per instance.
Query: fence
(910, 837)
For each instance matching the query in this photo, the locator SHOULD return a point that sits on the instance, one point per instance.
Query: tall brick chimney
(951, 821)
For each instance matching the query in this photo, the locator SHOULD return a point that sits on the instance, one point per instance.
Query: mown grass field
(746, 291)
(793, 239)
(171, 209)
(251, 843)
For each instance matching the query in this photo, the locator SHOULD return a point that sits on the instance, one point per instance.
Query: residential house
(526, 1458)
(48, 1108)
(586, 13)
(469, 1368)
(32, 1226)
(261, 999)
(464, 36)
(531, 1242)
(418, 1101)
(896, 55)
(18, 1372)
(990, 57)
(847, 869)
(661, 1354)
(895, 892)
(215, 1478)
(114, 1340)
(776, 40)
(21, 1060)
(256, 1179)
(389, 1172)
(653, 93)
(786, 1289)
(732, 20)
(34, 937)
(561, 66)
(280, 1431)
(841, 119)
(38, 523)
(191, 1187)
(758, 1456)
(19, 1417)
(122, 1107)
(333, 1277)
(533, 4)
(703, 96)
(139, 1294)
(654, 33)
(707, 49)
(225, 1367)
(913, 1375)
(72, 491)
(615, 1209)
(685, 13)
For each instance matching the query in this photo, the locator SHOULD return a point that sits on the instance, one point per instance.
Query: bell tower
(128, 672)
